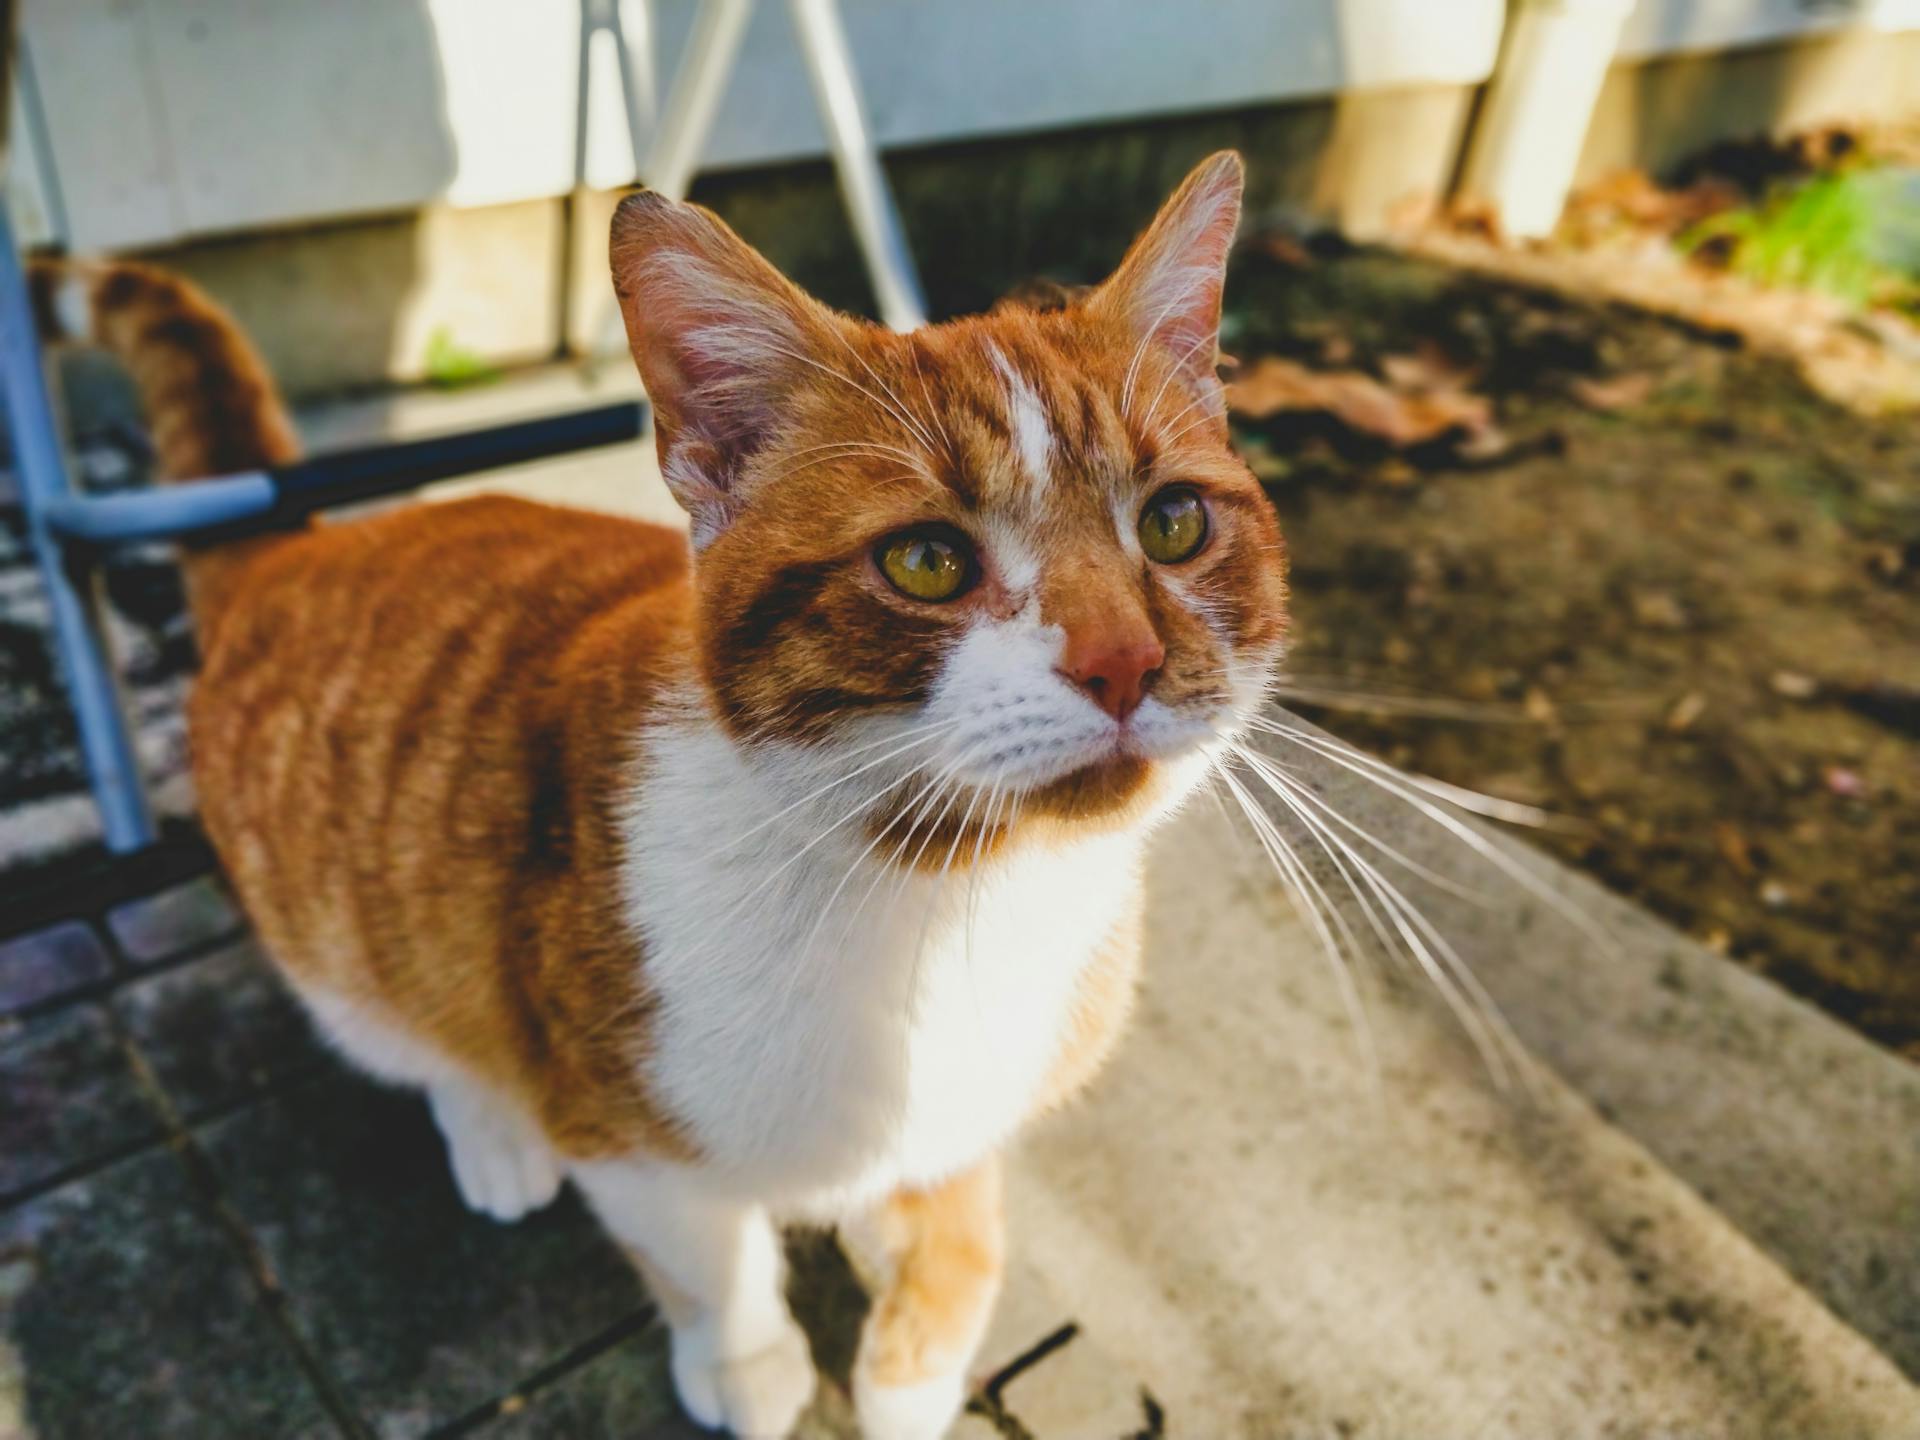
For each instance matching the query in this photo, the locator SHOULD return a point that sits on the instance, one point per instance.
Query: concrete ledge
(1269, 1241)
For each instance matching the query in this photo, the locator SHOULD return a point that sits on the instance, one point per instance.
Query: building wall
(1654, 112)
(172, 119)
(359, 177)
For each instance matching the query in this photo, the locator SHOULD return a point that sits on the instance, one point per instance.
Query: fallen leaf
(1690, 708)
(1793, 685)
(1842, 781)
(1274, 386)
(1619, 392)
(1484, 445)
(1285, 249)
(1732, 841)
(1427, 370)
(1658, 610)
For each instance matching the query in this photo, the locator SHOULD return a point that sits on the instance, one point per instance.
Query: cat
(779, 871)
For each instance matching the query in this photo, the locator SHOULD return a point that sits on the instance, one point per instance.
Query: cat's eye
(1173, 527)
(926, 565)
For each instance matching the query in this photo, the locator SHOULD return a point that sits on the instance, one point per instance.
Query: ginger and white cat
(783, 875)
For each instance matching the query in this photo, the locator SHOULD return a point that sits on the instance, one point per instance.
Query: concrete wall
(1656, 111)
(245, 140)
(355, 303)
(171, 119)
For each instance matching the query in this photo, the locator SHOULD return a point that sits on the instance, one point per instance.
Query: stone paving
(209, 1227)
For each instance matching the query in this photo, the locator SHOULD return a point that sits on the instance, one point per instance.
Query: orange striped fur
(426, 744)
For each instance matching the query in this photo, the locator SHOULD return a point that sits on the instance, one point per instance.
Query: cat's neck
(845, 1024)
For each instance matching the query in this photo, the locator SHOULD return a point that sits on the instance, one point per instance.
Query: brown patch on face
(931, 838)
(1092, 793)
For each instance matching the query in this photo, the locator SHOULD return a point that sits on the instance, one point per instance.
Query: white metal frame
(687, 119)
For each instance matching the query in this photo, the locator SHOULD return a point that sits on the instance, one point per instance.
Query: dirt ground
(1680, 590)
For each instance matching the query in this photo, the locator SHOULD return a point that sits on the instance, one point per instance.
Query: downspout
(1526, 144)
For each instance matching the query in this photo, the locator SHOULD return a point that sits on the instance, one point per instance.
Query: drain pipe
(1526, 144)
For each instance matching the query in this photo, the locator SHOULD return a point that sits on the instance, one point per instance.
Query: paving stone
(423, 1310)
(219, 1030)
(67, 1097)
(125, 1311)
(155, 927)
(46, 963)
(624, 1391)
(627, 1390)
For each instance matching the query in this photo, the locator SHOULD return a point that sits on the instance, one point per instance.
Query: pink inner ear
(715, 349)
(720, 338)
(1168, 288)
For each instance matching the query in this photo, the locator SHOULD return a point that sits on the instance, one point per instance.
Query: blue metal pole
(40, 462)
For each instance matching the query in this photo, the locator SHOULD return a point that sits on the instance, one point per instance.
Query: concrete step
(1259, 1233)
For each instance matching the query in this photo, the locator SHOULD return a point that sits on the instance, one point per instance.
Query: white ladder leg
(876, 220)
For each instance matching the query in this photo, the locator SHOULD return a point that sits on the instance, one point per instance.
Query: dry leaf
(1285, 249)
(1658, 610)
(1273, 386)
(1842, 781)
(1429, 368)
(1692, 705)
(1733, 845)
(1619, 392)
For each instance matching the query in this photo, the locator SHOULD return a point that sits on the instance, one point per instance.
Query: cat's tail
(210, 401)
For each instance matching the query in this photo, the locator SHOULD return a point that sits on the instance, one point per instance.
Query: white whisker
(1472, 801)
(1303, 889)
(1461, 990)
(898, 406)
(923, 734)
(1346, 757)
(1274, 770)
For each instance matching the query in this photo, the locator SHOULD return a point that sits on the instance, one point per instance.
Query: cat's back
(401, 721)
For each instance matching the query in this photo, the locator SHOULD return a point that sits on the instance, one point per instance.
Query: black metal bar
(349, 475)
(230, 505)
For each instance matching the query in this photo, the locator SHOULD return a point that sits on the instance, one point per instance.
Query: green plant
(452, 365)
(1837, 233)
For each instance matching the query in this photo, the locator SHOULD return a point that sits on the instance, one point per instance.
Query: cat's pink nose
(1113, 665)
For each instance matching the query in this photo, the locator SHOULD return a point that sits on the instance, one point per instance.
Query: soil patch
(1691, 581)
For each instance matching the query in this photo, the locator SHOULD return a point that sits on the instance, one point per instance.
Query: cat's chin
(1104, 790)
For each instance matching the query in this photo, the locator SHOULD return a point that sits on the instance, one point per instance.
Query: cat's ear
(720, 337)
(1167, 291)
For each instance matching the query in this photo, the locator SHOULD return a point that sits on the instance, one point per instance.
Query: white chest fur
(839, 1029)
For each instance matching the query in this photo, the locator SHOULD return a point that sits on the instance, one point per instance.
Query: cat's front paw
(757, 1394)
(502, 1166)
(924, 1410)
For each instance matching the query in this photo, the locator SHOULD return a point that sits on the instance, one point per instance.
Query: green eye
(926, 566)
(1173, 527)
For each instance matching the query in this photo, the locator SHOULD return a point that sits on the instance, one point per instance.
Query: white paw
(757, 1395)
(922, 1411)
(501, 1165)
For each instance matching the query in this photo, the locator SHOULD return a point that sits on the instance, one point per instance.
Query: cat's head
(1011, 556)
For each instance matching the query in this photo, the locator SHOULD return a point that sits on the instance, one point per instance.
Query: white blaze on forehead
(1026, 419)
